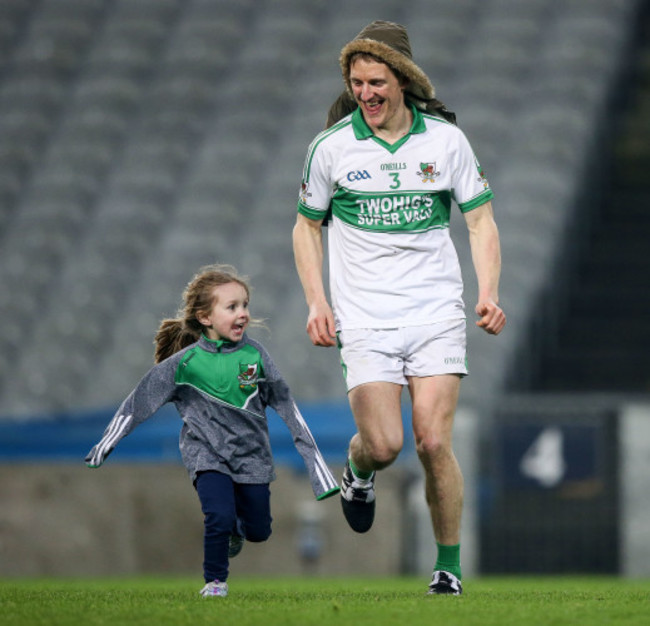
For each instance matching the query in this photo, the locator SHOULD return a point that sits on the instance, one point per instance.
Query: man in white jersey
(384, 174)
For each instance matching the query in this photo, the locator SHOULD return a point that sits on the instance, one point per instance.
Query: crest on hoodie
(248, 375)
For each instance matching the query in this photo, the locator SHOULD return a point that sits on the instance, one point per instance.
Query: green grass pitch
(525, 601)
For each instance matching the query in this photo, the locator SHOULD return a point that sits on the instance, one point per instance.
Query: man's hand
(320, 325)
(492, 318)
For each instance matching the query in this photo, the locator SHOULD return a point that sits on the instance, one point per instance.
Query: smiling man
(384, 174)
(380, 95)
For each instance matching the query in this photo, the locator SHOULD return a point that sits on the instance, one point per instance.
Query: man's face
(377, 92)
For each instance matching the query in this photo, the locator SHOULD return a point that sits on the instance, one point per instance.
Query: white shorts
(393, 354)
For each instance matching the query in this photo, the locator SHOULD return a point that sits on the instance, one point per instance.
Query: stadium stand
(597, 340)
(140, 139)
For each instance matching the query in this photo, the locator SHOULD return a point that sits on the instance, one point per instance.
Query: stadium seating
(140, 140)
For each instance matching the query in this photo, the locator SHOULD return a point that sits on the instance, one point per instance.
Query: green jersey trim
(434, 118)
(391, 147)
(312, 214)
(363, 131)
(224, 403)
(328, 494)
(317, 141)
(476, 202)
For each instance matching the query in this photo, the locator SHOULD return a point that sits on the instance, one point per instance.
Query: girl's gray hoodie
(221, 391)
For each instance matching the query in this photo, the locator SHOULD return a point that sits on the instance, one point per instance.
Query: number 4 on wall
(544, 459)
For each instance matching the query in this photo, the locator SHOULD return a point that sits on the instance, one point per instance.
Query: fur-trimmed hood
(390, 43)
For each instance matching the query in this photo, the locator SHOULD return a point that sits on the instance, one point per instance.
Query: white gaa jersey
(392, 261)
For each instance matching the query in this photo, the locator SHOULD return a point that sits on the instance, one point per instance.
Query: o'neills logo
(455, 360)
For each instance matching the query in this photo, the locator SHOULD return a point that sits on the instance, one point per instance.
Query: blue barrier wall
(68, 437)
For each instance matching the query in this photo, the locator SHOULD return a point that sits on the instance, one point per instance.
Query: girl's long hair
(174, 334)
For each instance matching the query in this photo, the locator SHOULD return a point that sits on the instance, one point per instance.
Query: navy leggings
(230, 508)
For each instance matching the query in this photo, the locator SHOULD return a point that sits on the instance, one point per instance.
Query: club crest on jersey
(481, 174)
(428, 172)
(247, 375)
(304, 192)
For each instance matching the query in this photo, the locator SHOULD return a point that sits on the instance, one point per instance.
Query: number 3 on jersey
(396, 181)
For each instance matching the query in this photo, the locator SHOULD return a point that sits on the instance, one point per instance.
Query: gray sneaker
(358, 501)
(214, 589)
(444, 583)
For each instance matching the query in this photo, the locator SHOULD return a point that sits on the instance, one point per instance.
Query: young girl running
(221, 382)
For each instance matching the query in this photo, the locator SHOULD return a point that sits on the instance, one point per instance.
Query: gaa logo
(358, 175)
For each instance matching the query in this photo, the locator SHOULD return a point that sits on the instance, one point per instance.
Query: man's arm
(308, 254)
(486, 255)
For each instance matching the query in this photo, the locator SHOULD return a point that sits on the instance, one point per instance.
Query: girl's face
(229, 315)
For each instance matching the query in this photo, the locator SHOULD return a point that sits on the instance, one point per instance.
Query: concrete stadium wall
(62, 520)
(635, 497)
